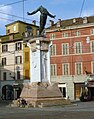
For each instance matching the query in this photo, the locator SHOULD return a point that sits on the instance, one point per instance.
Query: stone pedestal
(39, 94)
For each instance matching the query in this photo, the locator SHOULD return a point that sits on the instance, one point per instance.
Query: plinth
(39, 94)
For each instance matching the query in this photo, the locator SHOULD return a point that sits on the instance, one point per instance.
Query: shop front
(88, 93)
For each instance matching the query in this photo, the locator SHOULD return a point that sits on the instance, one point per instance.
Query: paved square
(80, 110)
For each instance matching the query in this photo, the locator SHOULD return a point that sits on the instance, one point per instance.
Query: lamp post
(15, 85)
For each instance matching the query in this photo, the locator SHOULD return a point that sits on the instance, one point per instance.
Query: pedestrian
(23, 102)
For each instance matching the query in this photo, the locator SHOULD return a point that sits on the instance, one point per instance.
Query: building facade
(11, 67)
(72, 54)
(12, 59)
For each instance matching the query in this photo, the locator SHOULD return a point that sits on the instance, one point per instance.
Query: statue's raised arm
(33, 11)
(43, 17)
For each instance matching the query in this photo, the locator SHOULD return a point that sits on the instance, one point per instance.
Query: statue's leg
(43, 18)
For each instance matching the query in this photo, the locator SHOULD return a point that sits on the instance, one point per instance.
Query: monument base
(41, 94)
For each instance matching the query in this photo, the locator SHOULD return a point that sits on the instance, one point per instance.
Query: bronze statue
(43, 17)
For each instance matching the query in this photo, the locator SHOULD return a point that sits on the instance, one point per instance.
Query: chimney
(51, 22)
(74, 20)
(85, 20)
(34, 22)
(59, 23)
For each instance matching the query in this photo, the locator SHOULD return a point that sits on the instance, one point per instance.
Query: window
(27, 74)
(18, 59)
(65, 49)
(53, 50)
(29, 31)
(3, 61)
(4, 76)
(14, 28)
(78, 68)
(64, 35)
(52, 36)
(4, 48)
(26, 56)
(66, 69)
(8, 31)
(78, 47)
(18, 46)
(77, 33)
(92, 31)
(92, 46)
(18, 75)
(53, 69)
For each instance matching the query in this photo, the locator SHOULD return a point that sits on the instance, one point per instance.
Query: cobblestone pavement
(78, 110)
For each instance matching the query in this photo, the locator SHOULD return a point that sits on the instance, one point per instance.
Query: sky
(13, 10)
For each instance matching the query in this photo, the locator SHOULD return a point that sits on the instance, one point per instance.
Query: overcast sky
(63, 9)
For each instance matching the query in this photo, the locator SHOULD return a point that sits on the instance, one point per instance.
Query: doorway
(63, 90)
(7, 92)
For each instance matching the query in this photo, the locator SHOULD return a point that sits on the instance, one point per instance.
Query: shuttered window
(27, 74)
(26, 56)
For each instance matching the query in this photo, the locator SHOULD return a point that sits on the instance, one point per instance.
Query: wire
(23, 9)
(14, 16)
(6, 19)
(82, 7)
(12, 3)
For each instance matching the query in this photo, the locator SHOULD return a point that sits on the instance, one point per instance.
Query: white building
(11, 68)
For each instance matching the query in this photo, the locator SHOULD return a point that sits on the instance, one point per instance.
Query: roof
(74, 21)
(7, 38)
(18, 21)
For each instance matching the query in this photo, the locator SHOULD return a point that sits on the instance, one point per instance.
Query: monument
(39, 91)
